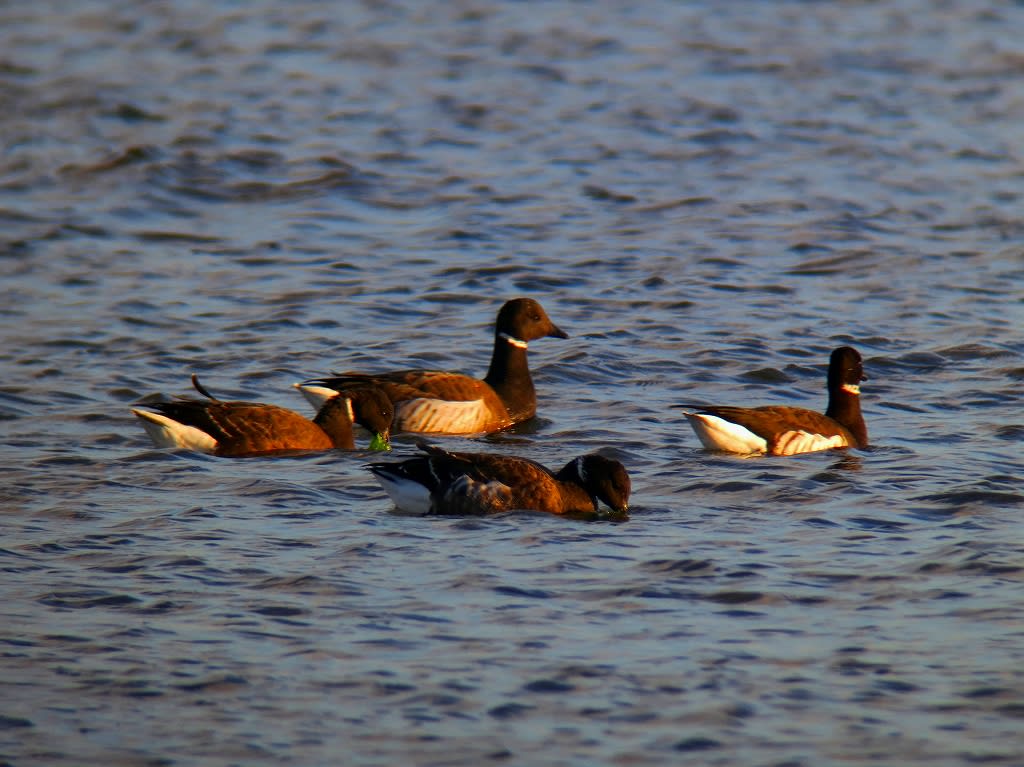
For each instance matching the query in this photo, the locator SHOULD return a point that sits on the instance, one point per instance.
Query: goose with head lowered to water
(458, 483)
(238, 429)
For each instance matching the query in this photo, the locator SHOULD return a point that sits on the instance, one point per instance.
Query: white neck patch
(513, 340)
(851, 388)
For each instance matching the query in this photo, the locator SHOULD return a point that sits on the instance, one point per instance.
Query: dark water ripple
(707, 197)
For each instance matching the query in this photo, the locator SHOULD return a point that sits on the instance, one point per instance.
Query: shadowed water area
(708, 197)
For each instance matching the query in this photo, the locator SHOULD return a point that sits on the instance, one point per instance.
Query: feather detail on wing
(472, 497)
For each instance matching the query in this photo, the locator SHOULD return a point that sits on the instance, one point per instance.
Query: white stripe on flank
(438, 416)
(793, 442)
(166, 432)
(718, 434)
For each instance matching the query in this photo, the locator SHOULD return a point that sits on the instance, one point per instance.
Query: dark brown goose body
(459, 483)
(238, 429)
(441, 402)
(781, 430)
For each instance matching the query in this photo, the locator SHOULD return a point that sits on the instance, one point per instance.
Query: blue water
(708, 197)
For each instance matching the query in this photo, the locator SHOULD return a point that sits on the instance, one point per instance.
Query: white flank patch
(408, 496)
(851, 388)
(438, 416)
(315, 395)
(793, 442)
(166, 432)
(718, 434)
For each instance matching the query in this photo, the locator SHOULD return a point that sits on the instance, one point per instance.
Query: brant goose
(441, 482)
(791, 430)
(238, 429)
(437, 402)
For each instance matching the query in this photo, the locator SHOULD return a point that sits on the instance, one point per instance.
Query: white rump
(166, 432)
(315, 395)
(718, 434)
(409, 496)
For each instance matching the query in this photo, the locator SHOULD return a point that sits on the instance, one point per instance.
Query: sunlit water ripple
(707, 197)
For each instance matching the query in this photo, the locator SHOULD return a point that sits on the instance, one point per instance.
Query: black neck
(576, 499)
(575, 496)
(509, 376)
(844, 408)
(334, 419)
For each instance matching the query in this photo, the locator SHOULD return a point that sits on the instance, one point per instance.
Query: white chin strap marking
(851, 388)
(513, 340)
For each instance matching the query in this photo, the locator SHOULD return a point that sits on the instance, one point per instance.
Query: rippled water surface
(708, 197)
